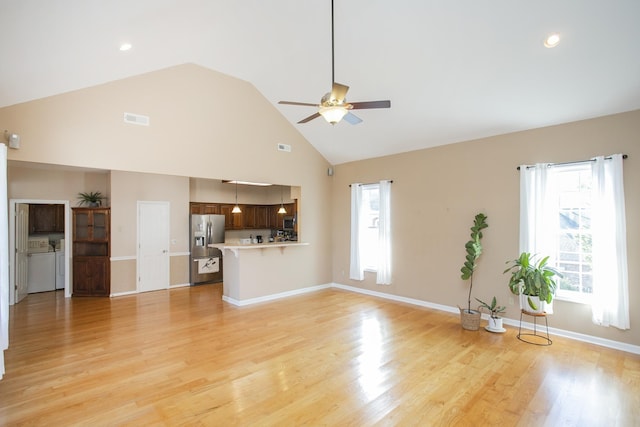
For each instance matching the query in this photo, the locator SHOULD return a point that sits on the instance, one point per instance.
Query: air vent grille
(136, 119)
(284, 147)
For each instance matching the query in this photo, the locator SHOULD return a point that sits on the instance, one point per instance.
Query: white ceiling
(454, 70)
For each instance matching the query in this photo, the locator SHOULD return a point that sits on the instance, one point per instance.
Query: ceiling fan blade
(297, 103)
(371, 104)
(352, 118)
(339, 91)
(308, 119)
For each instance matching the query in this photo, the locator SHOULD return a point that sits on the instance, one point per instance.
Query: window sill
(577, 300)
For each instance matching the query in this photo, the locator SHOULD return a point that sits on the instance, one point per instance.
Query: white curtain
(356, 271)
(610, 306)
(4, 259)
(383, 276)
(538, 215)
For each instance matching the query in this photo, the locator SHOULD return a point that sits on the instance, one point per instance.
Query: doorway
(15, 207)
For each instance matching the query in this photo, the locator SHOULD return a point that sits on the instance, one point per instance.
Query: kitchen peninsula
(259, 272)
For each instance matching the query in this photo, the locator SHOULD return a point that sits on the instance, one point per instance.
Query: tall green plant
(474, 250)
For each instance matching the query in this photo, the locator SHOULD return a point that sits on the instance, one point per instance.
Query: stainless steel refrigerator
(206, 262)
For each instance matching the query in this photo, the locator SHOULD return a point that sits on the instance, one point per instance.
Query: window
(575, 214)
(371, 231)
(573, 238)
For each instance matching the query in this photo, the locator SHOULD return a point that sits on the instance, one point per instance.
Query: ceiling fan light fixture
(333, 114)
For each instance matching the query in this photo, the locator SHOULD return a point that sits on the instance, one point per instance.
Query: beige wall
(27, 181)
(203, 124)
(214, 190)
(436, 193)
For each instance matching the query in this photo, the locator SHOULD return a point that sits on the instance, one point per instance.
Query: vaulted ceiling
(454, 71)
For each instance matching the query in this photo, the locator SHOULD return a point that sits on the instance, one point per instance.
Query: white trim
(180, 285)
(134, 257)
(603, 342)
(616, 345)
(272, 297)
(179, 254)
(123, 258)
(120, 294)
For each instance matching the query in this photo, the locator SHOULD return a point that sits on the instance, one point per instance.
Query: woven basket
(470, 321)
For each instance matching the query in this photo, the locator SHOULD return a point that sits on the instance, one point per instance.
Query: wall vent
(136, 119)
(284, 147)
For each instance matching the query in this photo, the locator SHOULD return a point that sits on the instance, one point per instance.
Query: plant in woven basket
(474, 250)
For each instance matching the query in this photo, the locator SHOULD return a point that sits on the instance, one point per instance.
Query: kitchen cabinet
(258, 217)
(46, 218)
(248, 217)
(262, 217)
(205, 208)
(232, 221)
(91, 251)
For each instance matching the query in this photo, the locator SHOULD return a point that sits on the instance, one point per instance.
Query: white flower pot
(495, 325)
(524, 304)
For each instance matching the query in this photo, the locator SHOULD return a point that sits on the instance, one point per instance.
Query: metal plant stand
(536, 337)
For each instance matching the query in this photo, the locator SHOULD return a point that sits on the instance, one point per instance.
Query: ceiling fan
(333, 105)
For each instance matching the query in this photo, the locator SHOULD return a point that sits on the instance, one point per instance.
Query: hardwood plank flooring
(183, 357)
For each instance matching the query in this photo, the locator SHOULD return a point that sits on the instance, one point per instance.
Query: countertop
(234, 247)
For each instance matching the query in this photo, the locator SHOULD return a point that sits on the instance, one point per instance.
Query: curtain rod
(370, 183)
(624, 156)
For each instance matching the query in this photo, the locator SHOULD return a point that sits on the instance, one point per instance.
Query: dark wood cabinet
(262, 217)
(205, 208)
(46, 218)
(248, 217)
(232, 221)
(91, 251)
(258, 217)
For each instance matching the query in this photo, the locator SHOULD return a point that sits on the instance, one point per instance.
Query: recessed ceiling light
(125, 47)
(552, 40)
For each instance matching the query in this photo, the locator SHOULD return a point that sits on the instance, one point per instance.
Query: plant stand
(534, 338)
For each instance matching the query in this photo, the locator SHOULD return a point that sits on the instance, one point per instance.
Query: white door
(153, 246)
(22, 250)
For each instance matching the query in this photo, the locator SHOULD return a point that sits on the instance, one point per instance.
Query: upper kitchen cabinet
(205, 208)
(232, 221)
(46, 218)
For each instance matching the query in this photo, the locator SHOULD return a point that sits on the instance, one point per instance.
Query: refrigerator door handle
(208, 233)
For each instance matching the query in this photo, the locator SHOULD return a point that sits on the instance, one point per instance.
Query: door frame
(12, 242)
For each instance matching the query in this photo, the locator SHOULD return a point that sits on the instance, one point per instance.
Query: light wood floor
(183, 357)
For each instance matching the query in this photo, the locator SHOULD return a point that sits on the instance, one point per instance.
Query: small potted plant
(471, 318)
(495, 321)
(91, 199)
(533, 281)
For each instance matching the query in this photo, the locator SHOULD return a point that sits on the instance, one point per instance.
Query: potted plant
(495, 321)
(533, 281)
(91, 199)
(471, 318)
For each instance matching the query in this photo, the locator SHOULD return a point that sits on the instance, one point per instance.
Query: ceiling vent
(284, 147)
(136, 119)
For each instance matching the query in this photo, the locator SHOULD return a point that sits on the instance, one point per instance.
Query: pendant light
(236, 208)
(282, 210)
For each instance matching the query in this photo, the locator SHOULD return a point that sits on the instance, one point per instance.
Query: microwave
(289, 222)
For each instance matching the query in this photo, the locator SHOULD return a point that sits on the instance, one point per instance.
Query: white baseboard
(272, 297)
(617, 345)
(180, 285)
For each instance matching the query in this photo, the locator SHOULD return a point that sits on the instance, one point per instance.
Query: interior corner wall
(437, 192)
